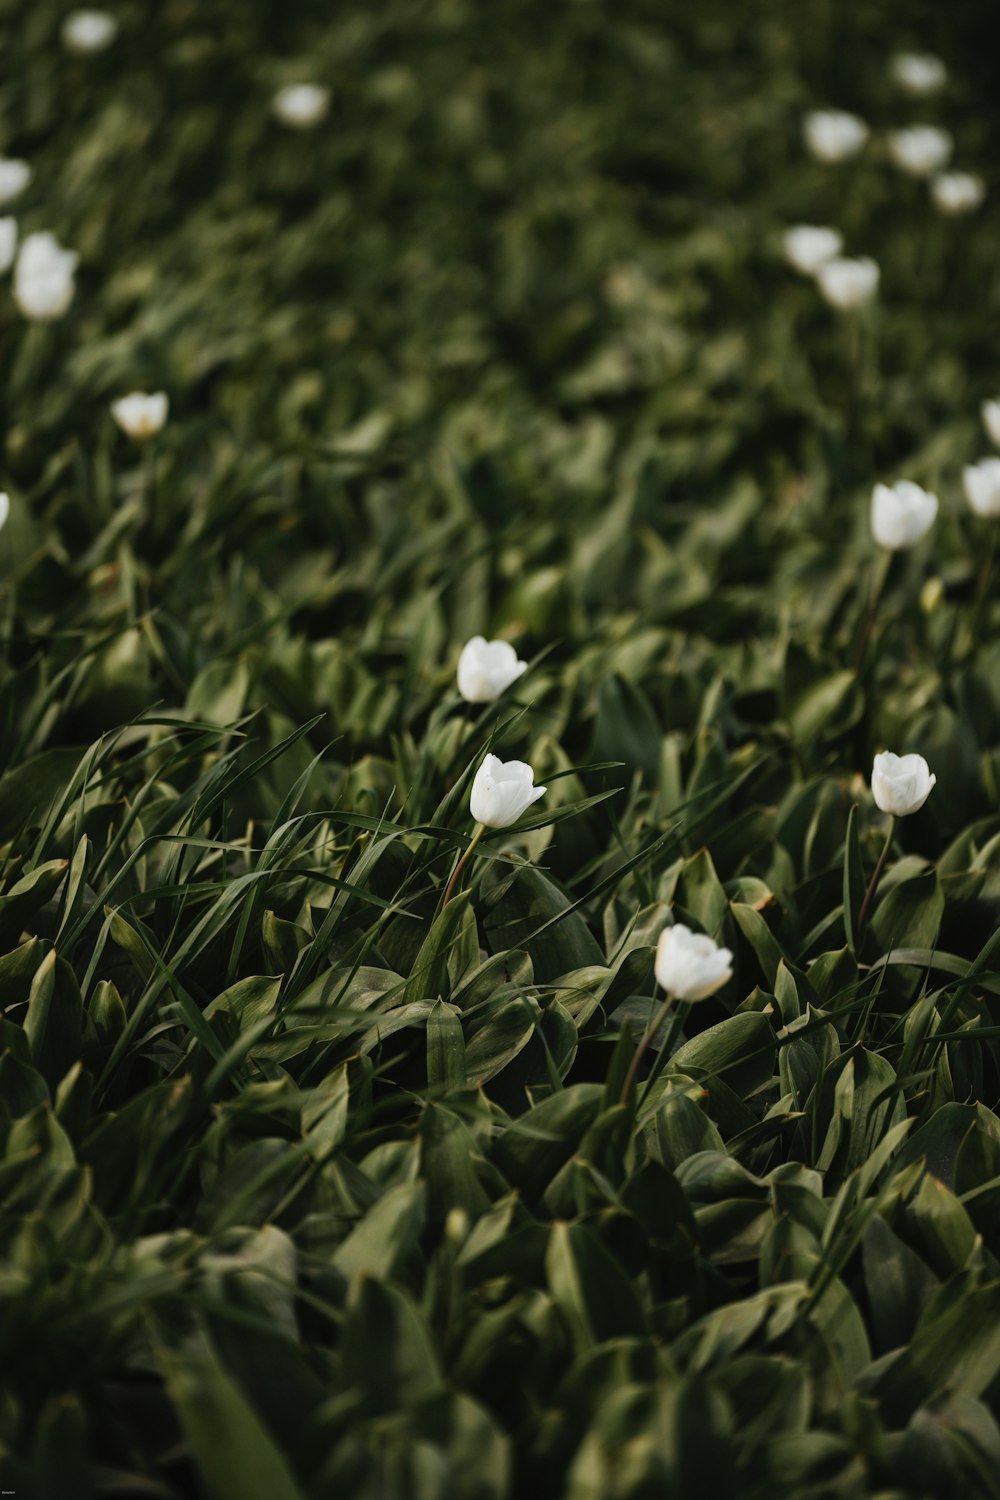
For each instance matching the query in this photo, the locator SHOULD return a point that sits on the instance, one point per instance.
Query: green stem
(647, 1037)
(880, 574)
(149, 482)
(983, 583)
(460, 866)
(873, 883)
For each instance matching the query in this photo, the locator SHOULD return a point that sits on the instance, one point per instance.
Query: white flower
(301, 105)
(957, 192)
(902, 514)
(833, 134)
(43, 277)
(982, 487)
(8, 243)
(991, 420)
(901, 784)
(502, 791)
(4, 508)
(140, 415)
(689, 965)
(848, 284)
(920, 150)
(918, 73)
(89, 30)
(14, 178)
(807, 247)
(486, 669)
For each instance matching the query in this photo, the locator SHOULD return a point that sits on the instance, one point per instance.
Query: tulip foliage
(499, 752)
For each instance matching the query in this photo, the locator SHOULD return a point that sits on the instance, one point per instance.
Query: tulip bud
(990, 411)
(486, 669)
(14, 178)
(982, 487)
(44, 277)
(807, 247)
(502, 791)
(86, 31)
(833, 134)
(957, 192)
(848, 284)
(901, 784)
(8, 243)
(4, 508)
(689, 965)
(918, 73)
(920, 149)
(301, 105)
(139, 415)
(901, 514)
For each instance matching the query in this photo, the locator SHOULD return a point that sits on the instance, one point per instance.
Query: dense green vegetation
(310, 1184)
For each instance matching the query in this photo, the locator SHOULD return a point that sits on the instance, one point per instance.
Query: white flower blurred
(833, 134)
(14, 178)
(920, 150)
(141, 415)
(301, 105)
(689, 965)
(86, 31)
(44, 277)
(981, 482)
(918, 73)
(487, 668)
(990, 411)
(8, 243)
(4, 508)
(957, 192)
(848, 284)
(901, 514)
(808, 246)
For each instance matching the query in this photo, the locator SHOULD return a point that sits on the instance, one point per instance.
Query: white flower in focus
(990, 411)
(808, 246)
(833, 134)
(848, 284)
(918, 73)
(901, 784)
(14, 178)
(981, 482)
(86, 31)
(4, 508)
(902, 514)
(44, 277)
(689, 965)
(486, 669)
(8, 243)
(502, 791)
(139, 415)
(920, 150)
(957, 192)
(301, 105)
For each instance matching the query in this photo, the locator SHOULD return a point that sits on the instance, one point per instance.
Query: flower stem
(647, 1037)
(873, 883)
(149, 482)
(460, 866)
(983, 584)
(880, 573)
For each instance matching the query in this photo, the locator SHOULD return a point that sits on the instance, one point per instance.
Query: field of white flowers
(499, 751)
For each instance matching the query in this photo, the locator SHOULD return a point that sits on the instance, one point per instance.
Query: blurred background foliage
(310, 1187)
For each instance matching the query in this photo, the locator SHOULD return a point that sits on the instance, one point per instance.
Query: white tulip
(8, 243)
(4, 508)
(957, 192)
(982, 487)
(902, 514)
(486, 669)
(14, 178)
(43, 277)
(833, 134)
(502, 791)
(990, 411)
(86, 31)
(689, 965)
(301, 105)
(139, 415)
(918, 73)
(901, 784)
(920, 150)
(807, 247)
(848, 284)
